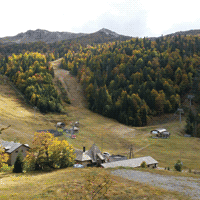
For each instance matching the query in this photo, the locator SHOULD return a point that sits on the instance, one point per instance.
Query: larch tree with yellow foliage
(3, 158)
(49, 153)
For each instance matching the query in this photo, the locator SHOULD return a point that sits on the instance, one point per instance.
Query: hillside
(134, 80)
(108, 134)
(117, 139)
(70, 84)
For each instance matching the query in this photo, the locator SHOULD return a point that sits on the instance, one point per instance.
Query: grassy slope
(70, 184)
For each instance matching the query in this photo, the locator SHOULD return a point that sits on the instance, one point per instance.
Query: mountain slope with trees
(134, 79)
(33, 75)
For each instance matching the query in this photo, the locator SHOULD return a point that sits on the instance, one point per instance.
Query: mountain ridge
(51, 37)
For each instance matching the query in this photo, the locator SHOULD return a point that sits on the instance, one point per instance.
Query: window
(16, 151)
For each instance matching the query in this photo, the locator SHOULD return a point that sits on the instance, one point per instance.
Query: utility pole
(190, 98)
(102, 141)
(180, 111)
(131, 152)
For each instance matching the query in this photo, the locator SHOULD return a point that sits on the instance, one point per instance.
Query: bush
(178, 166)
(143, 164)
(6, 168)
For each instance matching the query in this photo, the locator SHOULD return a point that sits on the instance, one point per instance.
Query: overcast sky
(136, 18)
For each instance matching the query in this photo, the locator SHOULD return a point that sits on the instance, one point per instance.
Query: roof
(60, 124)
(82, 156)
(135, 162)
(91, 154)
(93, 151)
(52, 131)
(11, 146)
(159, 130)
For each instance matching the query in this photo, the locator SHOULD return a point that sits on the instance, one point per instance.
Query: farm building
(12, 149)
(114, 158)
(91, 157)
(160, 133)
(134, 162)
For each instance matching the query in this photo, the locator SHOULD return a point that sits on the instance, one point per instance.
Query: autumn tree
(49, 153)
(3, 158)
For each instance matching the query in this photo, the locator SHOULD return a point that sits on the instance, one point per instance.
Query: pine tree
(18, 166)
(190, 123)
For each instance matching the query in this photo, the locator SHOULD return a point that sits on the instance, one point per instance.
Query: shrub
(6, 168)
(143, 164)
(178, 166)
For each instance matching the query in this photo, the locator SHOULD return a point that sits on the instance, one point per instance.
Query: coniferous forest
(125, 80)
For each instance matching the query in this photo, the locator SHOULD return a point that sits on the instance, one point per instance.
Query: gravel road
(189, 186)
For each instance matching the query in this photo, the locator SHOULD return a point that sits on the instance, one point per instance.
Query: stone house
(12, 149)
(91, 157)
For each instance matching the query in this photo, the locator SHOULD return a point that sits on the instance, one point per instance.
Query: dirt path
(70, 84)
(189, 186)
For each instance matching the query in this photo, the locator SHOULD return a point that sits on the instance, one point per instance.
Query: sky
(136, 18)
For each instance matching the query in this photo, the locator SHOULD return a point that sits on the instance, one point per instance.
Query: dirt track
(71, 85)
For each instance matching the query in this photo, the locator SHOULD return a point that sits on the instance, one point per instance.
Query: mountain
(40, 35)
(101, 36)
(189, 32)
(51, 37)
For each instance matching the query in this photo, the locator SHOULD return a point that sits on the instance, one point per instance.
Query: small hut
(160, 133)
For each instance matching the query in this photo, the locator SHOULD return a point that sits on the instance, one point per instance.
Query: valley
(123, 80)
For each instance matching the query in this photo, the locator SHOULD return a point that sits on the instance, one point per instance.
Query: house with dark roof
(12, 149)
(134, 162)
(160, 133)
(52, 131)
(91, 157)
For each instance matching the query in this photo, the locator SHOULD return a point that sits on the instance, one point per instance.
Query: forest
(32, 75)
(125, 80)
(131, 80)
